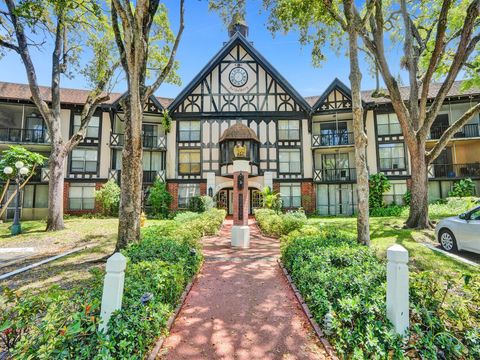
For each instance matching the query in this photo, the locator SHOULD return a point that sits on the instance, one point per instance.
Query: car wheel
(447, 240)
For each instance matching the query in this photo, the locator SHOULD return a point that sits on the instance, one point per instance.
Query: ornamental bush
(109, 198)
(63, 324)
(378, 185)
(463, 188)
(159, 199)
(344, 285)
(278, 224)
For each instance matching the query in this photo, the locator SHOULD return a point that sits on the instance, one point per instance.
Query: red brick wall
(173, 189)
(203, 189)
(308, 197)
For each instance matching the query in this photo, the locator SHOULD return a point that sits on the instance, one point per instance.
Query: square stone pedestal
(241, 236)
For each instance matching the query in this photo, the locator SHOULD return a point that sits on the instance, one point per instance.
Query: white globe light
(8, 170)
(23, 171)
(19, 164)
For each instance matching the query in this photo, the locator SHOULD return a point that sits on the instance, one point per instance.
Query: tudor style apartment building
(301, 147)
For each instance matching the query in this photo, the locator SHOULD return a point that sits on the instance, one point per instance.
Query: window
(84, 160)
(291, 195)
(185, 193)
(150, 138)
(35, 196)
(288, 130)
(395, 194)
(289, 161)
(81, 197)
(189, 161)
(189, 130)
(392, 156)
(387, 124)
(92, 128)
(152, 160)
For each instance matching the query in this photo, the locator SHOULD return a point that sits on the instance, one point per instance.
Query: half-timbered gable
(337, 97)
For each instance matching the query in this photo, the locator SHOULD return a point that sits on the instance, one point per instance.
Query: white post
(112, 288)
(397, 288)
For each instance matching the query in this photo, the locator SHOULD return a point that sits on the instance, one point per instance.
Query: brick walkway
(241, 307)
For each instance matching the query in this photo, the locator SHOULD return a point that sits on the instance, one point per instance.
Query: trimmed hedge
(63, 324)
(344, 285)
(278, 224)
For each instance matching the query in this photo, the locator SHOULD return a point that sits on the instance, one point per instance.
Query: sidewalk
(241, 307)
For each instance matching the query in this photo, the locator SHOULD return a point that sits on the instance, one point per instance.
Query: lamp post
(21, 172)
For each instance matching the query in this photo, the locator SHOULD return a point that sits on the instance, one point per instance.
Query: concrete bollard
(397, 288)
(112, 288)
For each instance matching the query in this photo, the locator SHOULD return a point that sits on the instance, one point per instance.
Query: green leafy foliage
(159, 199)
(63, 324)
(271, 199)
(277, 224)
(463, 188)
(379, 185)
(109, 198)
(15, 153)
(344, 286)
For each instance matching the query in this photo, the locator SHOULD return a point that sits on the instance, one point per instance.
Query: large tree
(70, 30)
(320, 22)
(144, 40)
(440, 42)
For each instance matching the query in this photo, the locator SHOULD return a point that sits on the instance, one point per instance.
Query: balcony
(149, 176)
(453, 171)
(468, 131)
(337, 138)
(149, 141)
(34, 136)
(334, 175)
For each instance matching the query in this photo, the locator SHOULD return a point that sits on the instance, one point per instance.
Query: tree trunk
(55, 189)
(131, 177)
(418, 217)
(363, 225)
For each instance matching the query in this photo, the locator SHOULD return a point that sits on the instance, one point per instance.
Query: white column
(397, 288)
(112, 287)
(211, 182)
(268, 179)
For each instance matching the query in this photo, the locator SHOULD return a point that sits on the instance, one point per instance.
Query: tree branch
(453, 129)
(166, 70)
(465, 47)
(9, 46)
(118, 37)
(436, 55)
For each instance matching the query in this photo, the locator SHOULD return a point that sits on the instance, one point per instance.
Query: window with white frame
(291, 195)
(84, 160)
(289, 161)
(35, 196)
(189, 130)
(93, 128)
(392, 156)
(81, 197)
(189, 161)
(185, 193)
(288, 130)
(387, 124)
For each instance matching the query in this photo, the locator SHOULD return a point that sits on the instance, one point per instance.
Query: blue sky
(203, 37)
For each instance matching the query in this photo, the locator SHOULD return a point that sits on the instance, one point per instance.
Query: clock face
(238, 76)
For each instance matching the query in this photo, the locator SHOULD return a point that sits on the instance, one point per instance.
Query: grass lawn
(97, 235)
(386, 231)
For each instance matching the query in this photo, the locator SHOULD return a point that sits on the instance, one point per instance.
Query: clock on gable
(238, 76)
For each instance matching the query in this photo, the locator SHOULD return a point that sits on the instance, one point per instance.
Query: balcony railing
(37, 136)
(468, 131)
(334, 175)
(454, 170)
(149, 176)
(149, 141)
(338, 138)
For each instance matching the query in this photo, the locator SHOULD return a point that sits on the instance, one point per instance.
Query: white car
(460, 232)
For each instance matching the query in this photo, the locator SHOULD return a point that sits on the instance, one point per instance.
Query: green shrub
(344, 285)
(159, 199)
(271, 199)
(379, 185)
(407, 197)
(195, 204)
(109, 198)
(452, 206)
(463, 188)
(392, 210)
(278, 224)
(63, 324)
(208, 202)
